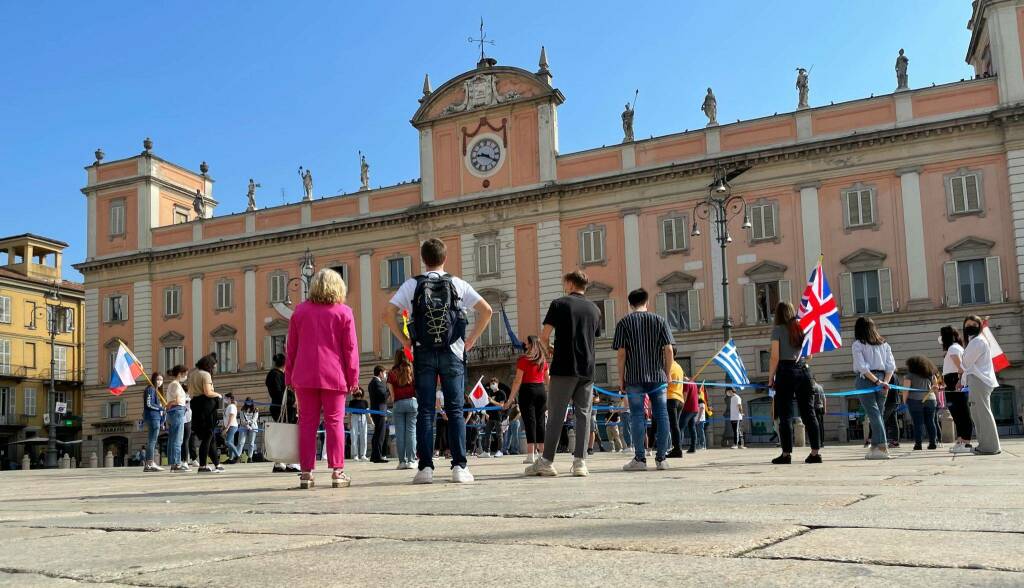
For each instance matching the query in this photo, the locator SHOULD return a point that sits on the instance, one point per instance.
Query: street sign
(62, 408)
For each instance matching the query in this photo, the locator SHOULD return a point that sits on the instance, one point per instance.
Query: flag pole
(144, 374)
(702, 368)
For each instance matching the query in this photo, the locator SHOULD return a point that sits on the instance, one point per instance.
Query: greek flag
(729, 360)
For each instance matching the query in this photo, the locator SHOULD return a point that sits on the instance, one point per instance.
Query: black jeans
(492, 435)
(208, 449)
(819, 412)
(675, 409)
(188, 451)
(891, 417)
(689, 424)
(380, 436)
(533, 400)
(793, 380)
(923, 413)
(958, 408)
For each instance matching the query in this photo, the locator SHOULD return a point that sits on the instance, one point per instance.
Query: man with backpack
(437, 303)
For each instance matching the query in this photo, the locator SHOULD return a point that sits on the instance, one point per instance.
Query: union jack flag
(819, 316)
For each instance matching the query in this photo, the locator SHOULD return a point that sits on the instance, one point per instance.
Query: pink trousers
(311, 402)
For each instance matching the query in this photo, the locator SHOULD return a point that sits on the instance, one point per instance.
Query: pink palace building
(915, 199)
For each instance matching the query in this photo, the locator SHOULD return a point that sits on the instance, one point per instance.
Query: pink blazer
(322, 351)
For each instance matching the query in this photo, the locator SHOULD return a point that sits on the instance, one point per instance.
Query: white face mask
(494, 387)
(940, 339)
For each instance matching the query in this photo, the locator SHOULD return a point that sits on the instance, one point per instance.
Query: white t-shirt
(977, 362)
(230, 416)
(948, 367)
(402, 300)
(734, 408)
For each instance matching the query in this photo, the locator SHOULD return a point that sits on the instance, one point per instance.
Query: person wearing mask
(248, 429)
(176, 401)
(575, 323)
(492, 428)
(357, 424)
(378, 389)
(529, 388)
(874, 365)
(921, 401)
(402, 389)
(702, 419)
(979, 381)
(204, 413)
(322, 365)
(675, 399)
(281, 398)
(153, 416)
(791, 379)
(956, 400)
(230, 425)
(735, 404)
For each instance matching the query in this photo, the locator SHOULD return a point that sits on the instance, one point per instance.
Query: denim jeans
(429, 365)
(404, 415)
(873, 403)
(702, 442)
(229, 440)
(637, 422)
(923, 414)
(247, 441)
(175, 432)
(689, 426)
(153, 428)
(511, 443)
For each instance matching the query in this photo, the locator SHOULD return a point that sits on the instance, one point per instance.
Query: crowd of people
(656, 408)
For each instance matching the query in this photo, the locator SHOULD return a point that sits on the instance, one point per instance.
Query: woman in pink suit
(322, 366)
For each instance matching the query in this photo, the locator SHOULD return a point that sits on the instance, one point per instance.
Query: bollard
(74, 463)
(94, 461)
(67, 461)
(26, 462)
(108, 460)
(947, 430)
(799, 437)
(62, 462)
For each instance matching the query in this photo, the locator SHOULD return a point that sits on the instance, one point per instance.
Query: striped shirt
(643, 335)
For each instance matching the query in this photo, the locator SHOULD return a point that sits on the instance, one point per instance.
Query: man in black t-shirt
(492, 435)
(379, 402)
(576, 323)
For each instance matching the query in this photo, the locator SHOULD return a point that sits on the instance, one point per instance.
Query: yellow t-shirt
(675, 390)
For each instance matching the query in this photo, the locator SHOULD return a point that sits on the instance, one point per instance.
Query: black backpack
(438, 319)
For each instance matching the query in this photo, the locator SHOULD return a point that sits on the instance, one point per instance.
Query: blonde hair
(327, 287)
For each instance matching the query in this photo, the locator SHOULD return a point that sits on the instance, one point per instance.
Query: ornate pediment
(276, 325)
(864, 260)
(598, 291)
(172, 338)
(677, 281)
(766, 271)
(970, 247)
(112, 343)
(493, 295)
(484, 87)
(224, 332)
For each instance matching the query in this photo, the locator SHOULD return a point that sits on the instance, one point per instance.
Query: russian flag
(999, 360)
(126, 369)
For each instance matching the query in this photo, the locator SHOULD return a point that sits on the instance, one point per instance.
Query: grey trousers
(563, 389)
(980, 401)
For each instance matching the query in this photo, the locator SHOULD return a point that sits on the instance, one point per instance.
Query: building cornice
(627, 179)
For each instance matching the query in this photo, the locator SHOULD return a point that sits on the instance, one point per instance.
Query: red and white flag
(479, 396)
(999, 360)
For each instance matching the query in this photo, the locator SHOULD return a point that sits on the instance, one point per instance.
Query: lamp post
(305, 276)
(719, 207)
(55, 321)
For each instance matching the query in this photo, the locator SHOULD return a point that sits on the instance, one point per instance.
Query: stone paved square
(717, 517)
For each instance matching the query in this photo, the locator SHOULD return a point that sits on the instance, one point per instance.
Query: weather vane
(482, 40)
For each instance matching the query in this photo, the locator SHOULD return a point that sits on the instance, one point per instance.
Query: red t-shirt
(692, 392)
(401, 392)
(532, 373)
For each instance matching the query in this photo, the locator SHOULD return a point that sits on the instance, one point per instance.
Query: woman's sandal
(339, 479)
(306, 481)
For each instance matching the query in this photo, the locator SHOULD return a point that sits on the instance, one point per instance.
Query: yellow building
(30, 288)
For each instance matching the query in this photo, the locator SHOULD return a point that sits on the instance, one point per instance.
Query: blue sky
(258, 88)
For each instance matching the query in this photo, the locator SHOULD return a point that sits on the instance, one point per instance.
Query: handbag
(281, 440)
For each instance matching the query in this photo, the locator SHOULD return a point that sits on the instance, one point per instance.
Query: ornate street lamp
(719, 207)
(55, 323)
(305, 277)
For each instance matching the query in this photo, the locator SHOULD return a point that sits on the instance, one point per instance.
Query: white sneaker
(485, 454)
(663, 464)
(541, 467)
(877, 453)
(529, 459)
(635, 465)
(734, 447)
(424, 476)
(401, 465)
(498, 454)
(579, 468)
(194, 463)
(960, 448)
(461, 475)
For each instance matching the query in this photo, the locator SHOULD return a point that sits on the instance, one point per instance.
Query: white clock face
(485, 155)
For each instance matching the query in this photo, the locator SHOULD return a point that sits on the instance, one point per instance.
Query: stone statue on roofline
(364, 172)
(627, 124)
(307, 183)
(902, 81)
(199, 205)
(803, 87)
(710, 108)
(251, 195)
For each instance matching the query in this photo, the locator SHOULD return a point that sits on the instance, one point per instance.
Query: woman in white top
(956, 400)
(176, 398)
(874, 365)
(980, 379)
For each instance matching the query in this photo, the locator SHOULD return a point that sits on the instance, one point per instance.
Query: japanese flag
(479, 395)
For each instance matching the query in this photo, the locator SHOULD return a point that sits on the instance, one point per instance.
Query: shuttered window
(965, 193)
(117, 217)
(5, 309)
(673, 234)
(860, 207)
(762, 219)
